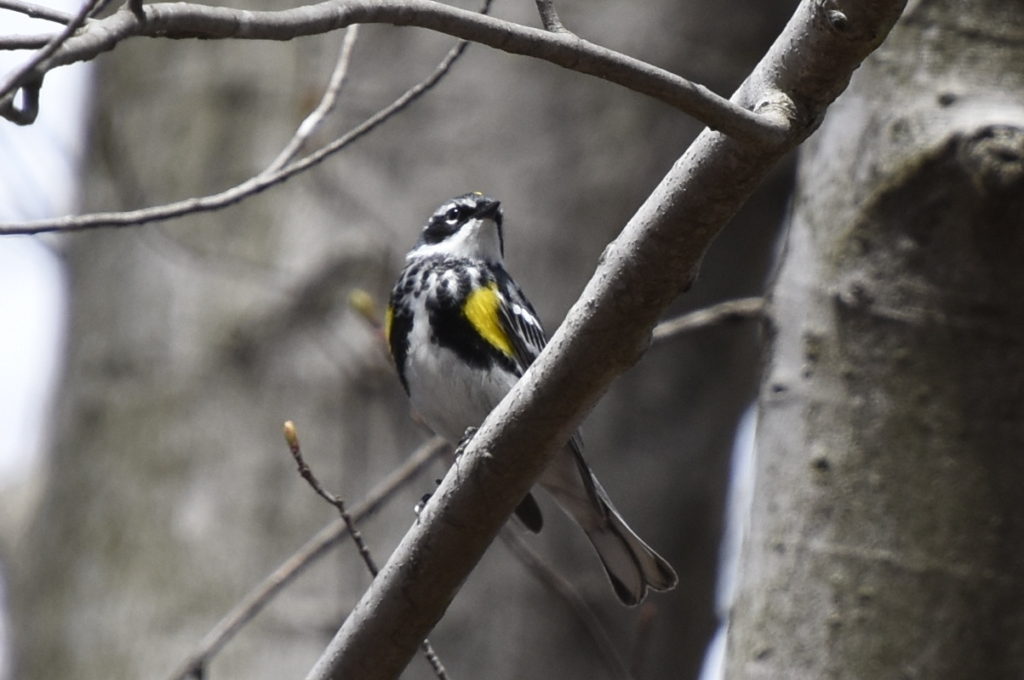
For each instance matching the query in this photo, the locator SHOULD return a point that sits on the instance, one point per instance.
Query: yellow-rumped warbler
(462, 333)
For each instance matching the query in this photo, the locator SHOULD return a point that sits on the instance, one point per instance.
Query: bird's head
(466, 226)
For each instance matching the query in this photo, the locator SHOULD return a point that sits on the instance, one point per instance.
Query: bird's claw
(467, 437)
(418, 508)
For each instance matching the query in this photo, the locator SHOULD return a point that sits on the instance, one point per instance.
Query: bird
(461, 334)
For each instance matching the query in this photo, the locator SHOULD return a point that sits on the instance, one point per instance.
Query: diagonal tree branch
(253, 602)
(655, 257)
(188, 20)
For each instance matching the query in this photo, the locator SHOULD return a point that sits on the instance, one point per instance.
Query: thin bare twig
(259, 597)
(251, 186)
(292, 437)
(28, 80)
(326, 105)
(770, 126)
(34, 11)
(549, 16)
(24, 42)
(553, 580)
(723, 312)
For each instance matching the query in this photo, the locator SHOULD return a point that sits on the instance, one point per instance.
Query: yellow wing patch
(481, 308)
(389, 318)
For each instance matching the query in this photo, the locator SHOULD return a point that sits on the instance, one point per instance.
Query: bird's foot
(467, 437)
(418, 508)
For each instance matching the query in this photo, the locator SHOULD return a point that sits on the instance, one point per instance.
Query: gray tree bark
(169, 490)
(887, 534)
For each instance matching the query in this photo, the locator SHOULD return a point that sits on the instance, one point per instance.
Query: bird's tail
(632, 566)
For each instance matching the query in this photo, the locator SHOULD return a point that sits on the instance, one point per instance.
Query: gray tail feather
(632, 566)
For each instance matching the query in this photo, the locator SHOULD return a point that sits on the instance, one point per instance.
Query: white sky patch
(38, 178)
(31, 320)
(39, 168)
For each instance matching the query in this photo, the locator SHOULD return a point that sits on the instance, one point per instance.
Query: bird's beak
(487, 209)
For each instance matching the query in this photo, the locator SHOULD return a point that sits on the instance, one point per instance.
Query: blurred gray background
(168, 491)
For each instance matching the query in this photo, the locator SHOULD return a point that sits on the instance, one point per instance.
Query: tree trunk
(887, 534)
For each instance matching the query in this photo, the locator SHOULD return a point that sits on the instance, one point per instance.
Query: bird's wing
(520, 323)
(526, 334)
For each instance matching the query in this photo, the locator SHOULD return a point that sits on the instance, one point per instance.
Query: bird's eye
(453, 215)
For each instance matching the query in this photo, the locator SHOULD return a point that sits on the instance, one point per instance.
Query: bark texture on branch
(887, 535)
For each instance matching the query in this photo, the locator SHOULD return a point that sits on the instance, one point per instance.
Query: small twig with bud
(291, 436)
(363, 304)
(253, 602)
